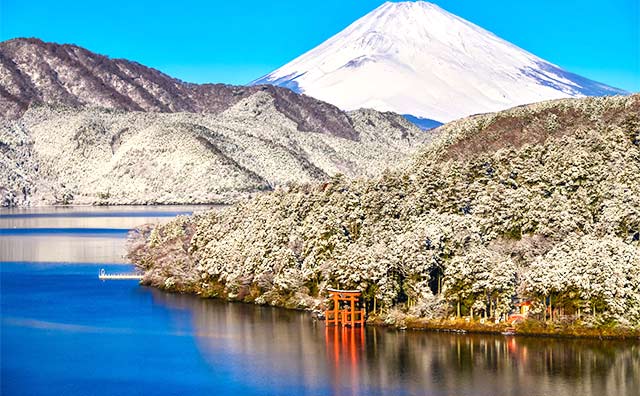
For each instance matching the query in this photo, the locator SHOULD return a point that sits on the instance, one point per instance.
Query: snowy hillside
(62, 155)
(416, 58)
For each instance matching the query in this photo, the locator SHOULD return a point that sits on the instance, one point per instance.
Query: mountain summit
(416, 58)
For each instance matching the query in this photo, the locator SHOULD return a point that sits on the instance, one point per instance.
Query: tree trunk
(458, 309)
(578, 312)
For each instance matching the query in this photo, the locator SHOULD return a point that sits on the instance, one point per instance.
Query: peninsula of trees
(539, 203)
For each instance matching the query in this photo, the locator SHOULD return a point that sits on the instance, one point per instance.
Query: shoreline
(461, 326)
(529, 328)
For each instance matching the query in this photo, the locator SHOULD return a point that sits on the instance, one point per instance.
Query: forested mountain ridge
(36, 72)
(539, 202)
(81, 128)
(62, 155)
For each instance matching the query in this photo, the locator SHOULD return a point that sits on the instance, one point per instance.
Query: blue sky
(237, 41)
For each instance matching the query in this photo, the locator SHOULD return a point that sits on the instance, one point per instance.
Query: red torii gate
(348, 316)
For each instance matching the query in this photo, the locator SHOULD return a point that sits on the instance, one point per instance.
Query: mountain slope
(78, 127)
(33, 71)
(64, 155)
(416, 58)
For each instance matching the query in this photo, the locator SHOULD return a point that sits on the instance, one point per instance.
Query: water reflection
(190, 345)
(76, 234)
(287, 348)
(91, 217)
(345, 351)
(62, 248)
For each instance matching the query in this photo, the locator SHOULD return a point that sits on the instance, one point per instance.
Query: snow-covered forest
(538, 203)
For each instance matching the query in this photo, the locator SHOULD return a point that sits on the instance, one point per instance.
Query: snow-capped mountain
(416, 58)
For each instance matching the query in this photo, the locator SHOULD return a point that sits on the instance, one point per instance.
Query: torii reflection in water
(346, 348)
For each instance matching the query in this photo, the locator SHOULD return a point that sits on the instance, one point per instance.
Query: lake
(64, 332)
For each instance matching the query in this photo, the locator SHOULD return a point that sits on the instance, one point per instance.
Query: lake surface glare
(64, 332)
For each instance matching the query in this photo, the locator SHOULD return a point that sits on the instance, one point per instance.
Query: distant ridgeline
(539, 203)
(81, 128)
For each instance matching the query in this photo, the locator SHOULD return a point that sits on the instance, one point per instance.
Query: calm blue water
(64, 332)
(79, 232)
